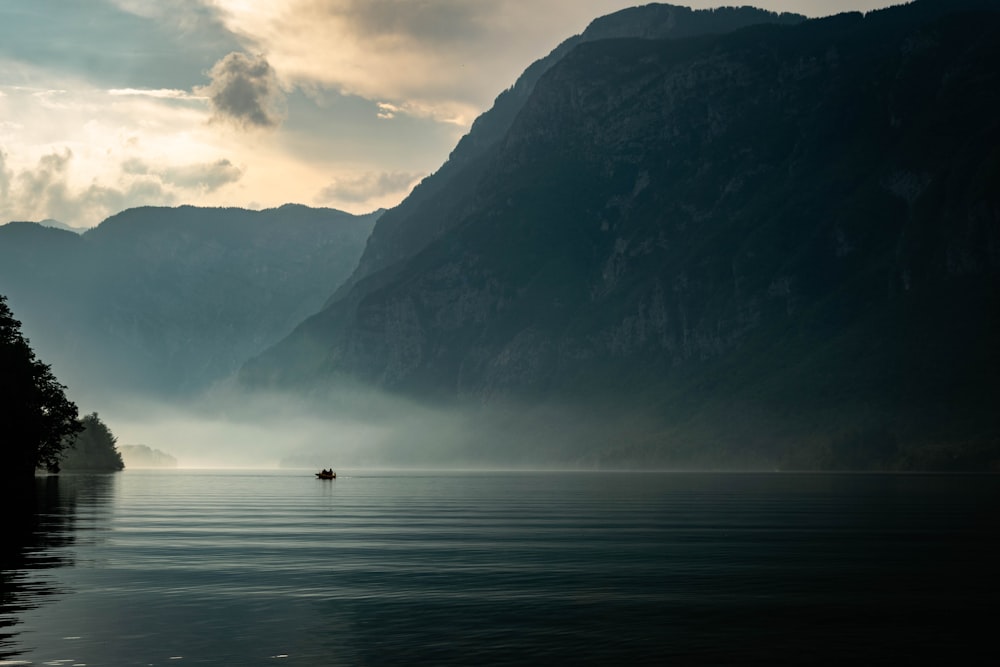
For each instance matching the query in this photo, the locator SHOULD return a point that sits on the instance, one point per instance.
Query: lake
(262, 568)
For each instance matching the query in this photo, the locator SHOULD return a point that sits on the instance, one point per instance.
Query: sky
(111, 104)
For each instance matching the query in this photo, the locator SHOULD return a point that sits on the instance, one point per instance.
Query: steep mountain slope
(777, 246)
(167, 300)
(446, 195)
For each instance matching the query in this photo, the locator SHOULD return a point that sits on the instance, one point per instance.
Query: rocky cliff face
(168, 300)
(780, 228)
(446, 195)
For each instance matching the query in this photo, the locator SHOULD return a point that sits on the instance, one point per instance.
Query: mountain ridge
(413, 220)
(171, 299)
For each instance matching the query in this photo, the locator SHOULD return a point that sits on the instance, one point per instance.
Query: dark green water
(249, 568)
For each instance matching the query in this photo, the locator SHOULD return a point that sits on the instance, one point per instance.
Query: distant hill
(141, 456)
(55, 224)
(166, 301)
(777, 246)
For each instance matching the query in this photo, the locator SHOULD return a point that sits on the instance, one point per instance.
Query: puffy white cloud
(45, 191)
(81, 154)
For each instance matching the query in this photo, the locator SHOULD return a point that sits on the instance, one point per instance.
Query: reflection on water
(248, 568)
(41, 524)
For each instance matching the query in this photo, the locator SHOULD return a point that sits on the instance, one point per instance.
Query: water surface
(255, 568)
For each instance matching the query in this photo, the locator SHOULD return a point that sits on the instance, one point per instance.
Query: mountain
(445, 195)
(168, 300)
(773, 247)
(49, 222)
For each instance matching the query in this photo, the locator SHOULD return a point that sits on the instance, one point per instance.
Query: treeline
(93, 449)
(41, 428)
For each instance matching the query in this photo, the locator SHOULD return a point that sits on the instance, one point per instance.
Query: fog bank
(352, 428)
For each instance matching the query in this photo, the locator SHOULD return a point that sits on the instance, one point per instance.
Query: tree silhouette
(36, 418)
(93, 449)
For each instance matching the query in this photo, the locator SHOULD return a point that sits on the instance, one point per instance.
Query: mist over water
(353, 428)
(225, 429)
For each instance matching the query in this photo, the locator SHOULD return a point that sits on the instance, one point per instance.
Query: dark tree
(93, 449)
(36, 418)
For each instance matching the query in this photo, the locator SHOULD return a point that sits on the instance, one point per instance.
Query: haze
(355, 428)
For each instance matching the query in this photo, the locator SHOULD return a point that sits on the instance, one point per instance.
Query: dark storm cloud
(367, 186)
(245, 91)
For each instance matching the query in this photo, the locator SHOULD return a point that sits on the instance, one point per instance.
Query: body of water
(260, 568)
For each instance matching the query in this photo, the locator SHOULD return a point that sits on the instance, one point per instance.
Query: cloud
(159, 93)
(5, 177)
(45, 192)
(431, 20)
(47, 189)
(440, 113)
(245, 91)
(367, 186)
(387, 110)
(206, 177)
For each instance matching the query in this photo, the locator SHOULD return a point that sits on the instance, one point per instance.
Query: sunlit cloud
(46, 191)
(460, 115)
(159, 93)
(97, 153)
(207, 176)
(367, 186)
(387, 110)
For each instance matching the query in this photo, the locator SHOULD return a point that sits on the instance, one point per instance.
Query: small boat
(327, 474)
